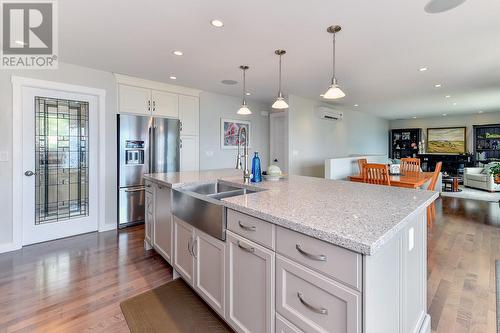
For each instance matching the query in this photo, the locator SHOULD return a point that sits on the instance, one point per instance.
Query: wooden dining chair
(431, 209)
(410, 164)
(376, 174)
(361, 163)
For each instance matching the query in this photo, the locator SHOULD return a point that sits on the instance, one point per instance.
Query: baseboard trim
(107, 227)
(9, 247)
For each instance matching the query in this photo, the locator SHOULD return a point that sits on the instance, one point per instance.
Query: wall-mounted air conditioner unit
(327, 113)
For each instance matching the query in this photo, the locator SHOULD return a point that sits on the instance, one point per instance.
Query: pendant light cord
(279, 90)
(244, 86)
(333, 59)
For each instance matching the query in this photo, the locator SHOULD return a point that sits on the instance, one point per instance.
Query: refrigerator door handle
(138, 189)
(151, 129)
(152, 143)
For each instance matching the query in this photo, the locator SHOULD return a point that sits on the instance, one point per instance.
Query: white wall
(66, 73)
(213, 107)
(450, 121)
(313, 140)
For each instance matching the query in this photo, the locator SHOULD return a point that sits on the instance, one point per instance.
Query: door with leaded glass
(59, 163)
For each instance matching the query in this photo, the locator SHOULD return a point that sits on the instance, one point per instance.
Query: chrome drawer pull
(248, 249)
(318, 257)
(251, 228)
(322, 311)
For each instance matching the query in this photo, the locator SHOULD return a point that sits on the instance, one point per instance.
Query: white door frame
(272, 119)
(18, 83)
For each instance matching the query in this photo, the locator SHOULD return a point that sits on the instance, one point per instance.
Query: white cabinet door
(189, 115)
(250, 285)
(209, 270)
(134, 100)
(163, 223)
(183, 255)
(149, 217)
(165, 104)
(189, 153)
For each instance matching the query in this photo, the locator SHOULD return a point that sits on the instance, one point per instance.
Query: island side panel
(395, 282)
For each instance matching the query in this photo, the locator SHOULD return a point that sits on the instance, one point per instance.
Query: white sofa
(480, 178)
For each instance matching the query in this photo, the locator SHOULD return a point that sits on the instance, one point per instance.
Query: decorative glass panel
(61, 160)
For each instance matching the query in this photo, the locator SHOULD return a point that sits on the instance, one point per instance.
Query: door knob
(29, 173)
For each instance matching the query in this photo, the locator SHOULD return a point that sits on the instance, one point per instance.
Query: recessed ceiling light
(247, 93)
(321, 95)
(356, 105)
(422, 69)
(414, 117)
(177, 53)
(447, 96)
(173, 78)
(229, 82)
(437, 85)
(444, 114)
(480, 111)
(217, 23)
(454, 103)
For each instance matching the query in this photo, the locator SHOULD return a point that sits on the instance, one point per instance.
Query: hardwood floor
(76, 284)
(463, 245)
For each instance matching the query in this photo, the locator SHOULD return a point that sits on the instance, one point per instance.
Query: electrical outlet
(4, 156)
(209, 153)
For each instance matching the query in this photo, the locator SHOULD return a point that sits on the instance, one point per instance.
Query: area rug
(470, 193)
(171, 308)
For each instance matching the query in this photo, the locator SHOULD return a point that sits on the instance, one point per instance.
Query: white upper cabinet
(157, 99)
(189, 114)
(165, 104)
(134, 100)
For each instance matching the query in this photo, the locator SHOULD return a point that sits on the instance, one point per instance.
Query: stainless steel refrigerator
(145, 145)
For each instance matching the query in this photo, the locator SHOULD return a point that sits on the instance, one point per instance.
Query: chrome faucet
(242, 132)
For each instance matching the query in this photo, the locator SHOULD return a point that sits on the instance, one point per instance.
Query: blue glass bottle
(256, 174)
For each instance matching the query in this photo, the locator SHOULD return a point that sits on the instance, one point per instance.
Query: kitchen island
(300, 255)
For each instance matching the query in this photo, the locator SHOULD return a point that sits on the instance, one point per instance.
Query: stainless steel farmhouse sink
(200, 206)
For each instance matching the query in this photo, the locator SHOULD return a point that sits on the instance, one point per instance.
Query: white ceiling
(379, 50)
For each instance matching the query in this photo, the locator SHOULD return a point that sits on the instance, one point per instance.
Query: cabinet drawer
(334, 261)
(252, 228)
(314, 303)
(283, 326)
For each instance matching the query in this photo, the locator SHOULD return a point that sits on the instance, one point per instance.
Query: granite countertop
(359, 217)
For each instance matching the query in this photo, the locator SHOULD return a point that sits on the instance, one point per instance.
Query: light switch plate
(4, 156)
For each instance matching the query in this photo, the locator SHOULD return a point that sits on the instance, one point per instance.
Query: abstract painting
(229, 133)
(446, 140)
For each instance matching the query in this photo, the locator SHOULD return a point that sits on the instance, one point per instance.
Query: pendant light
(334, 90)
(280, 102)
(244, 110)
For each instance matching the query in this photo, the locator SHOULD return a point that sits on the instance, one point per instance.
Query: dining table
(408, 179)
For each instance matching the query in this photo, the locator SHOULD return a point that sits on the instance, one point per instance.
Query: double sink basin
(200, 206)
